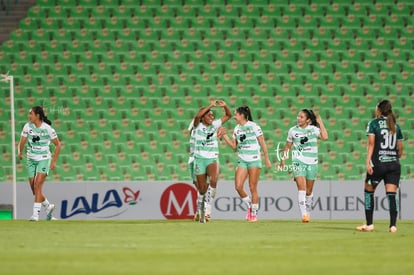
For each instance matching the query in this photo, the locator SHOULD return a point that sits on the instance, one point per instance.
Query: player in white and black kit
(385, 148)
(206, 152)
(38, 134)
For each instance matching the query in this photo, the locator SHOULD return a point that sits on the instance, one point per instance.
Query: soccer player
(191, 168)
(39, 133)
(303, 137)
(220, 132)
(206, 154)
(247, 141)
(385, 148)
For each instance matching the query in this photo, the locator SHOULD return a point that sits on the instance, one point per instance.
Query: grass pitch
(218, 247)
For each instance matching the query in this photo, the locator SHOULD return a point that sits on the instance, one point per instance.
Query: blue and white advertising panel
(177, 200)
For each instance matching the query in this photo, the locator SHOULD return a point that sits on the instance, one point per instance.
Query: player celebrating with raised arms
(385, 148)
(206, 154)
(303, 137)
(247, 141)
(39, 133)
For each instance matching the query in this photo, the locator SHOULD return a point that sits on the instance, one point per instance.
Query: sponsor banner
(177, 200)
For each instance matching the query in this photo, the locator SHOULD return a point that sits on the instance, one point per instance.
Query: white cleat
(49, 212)
(34, 218)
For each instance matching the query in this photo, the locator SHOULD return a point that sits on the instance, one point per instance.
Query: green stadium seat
(118, 69)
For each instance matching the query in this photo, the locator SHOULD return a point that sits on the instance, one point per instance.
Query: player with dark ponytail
(385, 148)
(39, 133)
(249, 143)
(303, 137)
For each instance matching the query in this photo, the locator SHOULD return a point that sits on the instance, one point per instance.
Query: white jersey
(248, 147)
(38, 140)
(205, 137)
(305, 143)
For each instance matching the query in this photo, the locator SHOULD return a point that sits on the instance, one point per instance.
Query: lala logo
(130, 196)
(106, 206)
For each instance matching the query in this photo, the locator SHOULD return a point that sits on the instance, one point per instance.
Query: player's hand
(220, 103)
(53, 165)
(370, 171)
(268, 163)
(318, 118)
(221, 131)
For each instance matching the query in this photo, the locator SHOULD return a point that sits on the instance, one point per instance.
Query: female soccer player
(385, 148)
(247, 141)
(38, 133)
(304, 139)
(191, 167)
(206, 154)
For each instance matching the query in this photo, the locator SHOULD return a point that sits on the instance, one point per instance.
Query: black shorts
(390, 173)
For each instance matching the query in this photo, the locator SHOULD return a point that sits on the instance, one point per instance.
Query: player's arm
(203, 110)
(286, 151)
(324, 133)
(231, 142)
(20, 148)
(55, 155)
(400, 148)
(227, 111)
(265, 152)
(370, 151)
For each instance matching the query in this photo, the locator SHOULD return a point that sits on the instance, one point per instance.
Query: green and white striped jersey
(305, 143)
(248, 147)
(38, 140)
(206, 145)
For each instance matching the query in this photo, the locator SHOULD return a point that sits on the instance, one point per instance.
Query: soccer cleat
(253, 218)
(34, 218)
(207, 218)
(49, 211)
(196, 217)
(305, 218)
(365, 228)
(393, 229)
(249, 214)
(202, 216)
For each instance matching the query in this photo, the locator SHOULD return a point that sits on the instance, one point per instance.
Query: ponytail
(47, 121)
(245, 110)
(39, 111)
(385, 108)
(311, 115)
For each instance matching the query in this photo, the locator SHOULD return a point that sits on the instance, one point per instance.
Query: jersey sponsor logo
(387, 158)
